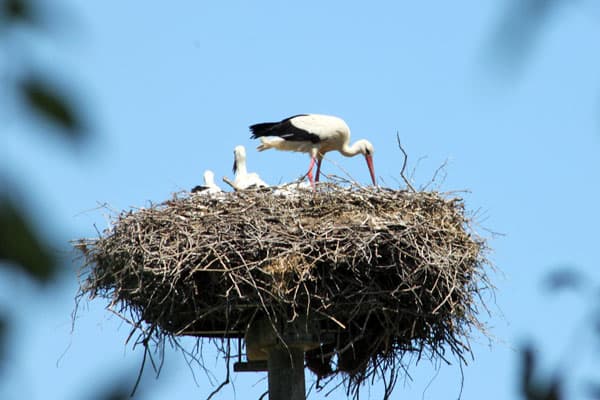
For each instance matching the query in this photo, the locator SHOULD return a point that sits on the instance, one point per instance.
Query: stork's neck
(241, 167)
(350, 150)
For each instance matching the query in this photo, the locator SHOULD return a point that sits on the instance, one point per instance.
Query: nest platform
(379, 273)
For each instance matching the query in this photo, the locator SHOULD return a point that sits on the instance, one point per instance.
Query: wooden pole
(286, 373)
(282, 353)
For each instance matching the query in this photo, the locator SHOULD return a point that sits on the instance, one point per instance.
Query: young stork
(313, 134)
(209, 187)
(243, 179)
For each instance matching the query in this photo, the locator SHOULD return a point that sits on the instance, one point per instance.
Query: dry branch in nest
(381, 274)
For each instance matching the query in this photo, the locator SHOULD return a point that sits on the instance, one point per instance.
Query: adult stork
(314, 134)
(244, 179)
(209, 187)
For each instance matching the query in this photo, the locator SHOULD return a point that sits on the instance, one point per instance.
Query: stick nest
(381, 274)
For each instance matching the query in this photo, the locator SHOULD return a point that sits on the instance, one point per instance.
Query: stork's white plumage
(314, 134)
(244, 179)
(209, 187)
(291, 189)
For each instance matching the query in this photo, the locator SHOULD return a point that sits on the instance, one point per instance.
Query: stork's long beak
(234, 164)
(369, 159)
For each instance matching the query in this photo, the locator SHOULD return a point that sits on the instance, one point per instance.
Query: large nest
(381, 274)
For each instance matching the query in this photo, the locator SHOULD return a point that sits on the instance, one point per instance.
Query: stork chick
(244, 179)
(209, 187)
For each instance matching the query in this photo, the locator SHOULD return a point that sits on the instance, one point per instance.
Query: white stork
(243, 179)
(313, 134)
(209, 187)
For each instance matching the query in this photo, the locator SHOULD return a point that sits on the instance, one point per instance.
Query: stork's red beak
(369, 159)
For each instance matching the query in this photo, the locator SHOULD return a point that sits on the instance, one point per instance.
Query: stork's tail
(262, 129)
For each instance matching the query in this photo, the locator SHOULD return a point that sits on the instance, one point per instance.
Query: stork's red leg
(318, 169)
(310, 174)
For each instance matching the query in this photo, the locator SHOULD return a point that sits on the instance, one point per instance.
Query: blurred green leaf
(17, 10)
(20, 244)
(116, 393)
(52, 105)
(116, 389)
(593, 390)
(564, 278)
(3, 329)
(537, 389)
(519, 29)
(528, 365)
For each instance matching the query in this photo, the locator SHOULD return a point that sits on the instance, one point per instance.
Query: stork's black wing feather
(199, 188)
(285, 129)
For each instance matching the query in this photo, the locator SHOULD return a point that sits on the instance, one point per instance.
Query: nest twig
(382, 273)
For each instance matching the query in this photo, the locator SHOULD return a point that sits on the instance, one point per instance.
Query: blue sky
(172, 89)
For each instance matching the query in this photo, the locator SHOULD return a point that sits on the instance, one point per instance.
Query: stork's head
(366, 148)
(209, 177)
(239, 158)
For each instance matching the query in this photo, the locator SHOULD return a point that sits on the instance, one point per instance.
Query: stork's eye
(368, 152)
